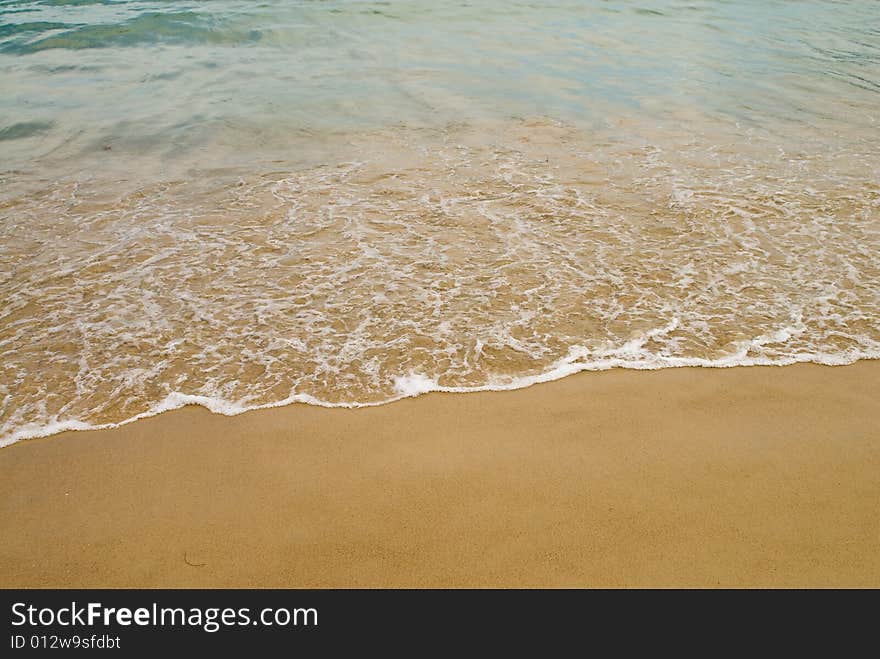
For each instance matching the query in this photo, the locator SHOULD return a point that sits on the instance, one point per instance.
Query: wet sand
(756, 476)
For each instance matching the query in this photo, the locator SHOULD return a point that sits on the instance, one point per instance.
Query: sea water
(241, 204)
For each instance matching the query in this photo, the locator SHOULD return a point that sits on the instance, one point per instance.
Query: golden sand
(682, 477)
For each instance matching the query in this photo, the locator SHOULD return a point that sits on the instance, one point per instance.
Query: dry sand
(682, 477)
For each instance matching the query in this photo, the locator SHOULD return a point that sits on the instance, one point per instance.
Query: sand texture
(758, 476)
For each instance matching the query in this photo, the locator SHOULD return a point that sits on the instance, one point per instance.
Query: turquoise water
(165, 78)
(249, 204)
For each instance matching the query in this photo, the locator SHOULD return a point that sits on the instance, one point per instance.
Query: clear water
(243, 204)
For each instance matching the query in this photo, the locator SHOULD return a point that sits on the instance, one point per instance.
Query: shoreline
(750, 476)
(177, 401)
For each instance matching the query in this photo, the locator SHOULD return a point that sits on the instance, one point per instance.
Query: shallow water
(343, 203)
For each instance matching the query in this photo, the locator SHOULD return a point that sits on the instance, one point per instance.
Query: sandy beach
(682, 477)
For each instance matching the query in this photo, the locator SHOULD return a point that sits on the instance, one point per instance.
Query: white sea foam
(470, 263)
